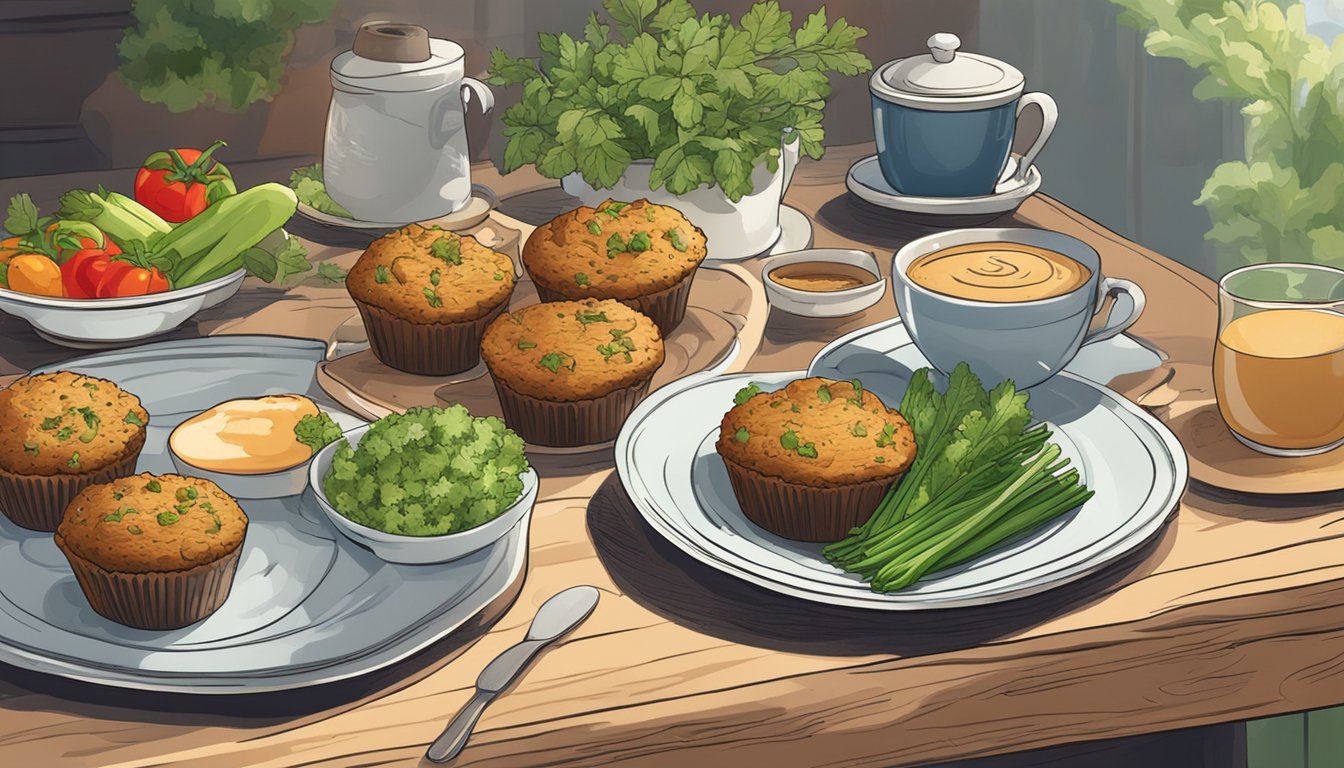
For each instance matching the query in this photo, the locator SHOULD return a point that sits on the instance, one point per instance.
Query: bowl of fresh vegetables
(108, 268)
(427, 486)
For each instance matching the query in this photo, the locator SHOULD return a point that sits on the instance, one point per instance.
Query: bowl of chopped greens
(426, 486)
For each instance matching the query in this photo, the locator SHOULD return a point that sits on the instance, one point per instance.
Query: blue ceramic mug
(944, 121)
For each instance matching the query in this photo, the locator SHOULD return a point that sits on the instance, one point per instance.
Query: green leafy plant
(705, 98)
(1285, 201)
(226, 54)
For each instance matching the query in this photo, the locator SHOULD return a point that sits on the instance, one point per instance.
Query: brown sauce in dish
(821, 276)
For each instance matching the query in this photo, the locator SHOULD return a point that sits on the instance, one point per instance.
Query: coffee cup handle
(1049, 116)
(1114, 286)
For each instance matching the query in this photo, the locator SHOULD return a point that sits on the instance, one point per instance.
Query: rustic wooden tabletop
(1234, 611)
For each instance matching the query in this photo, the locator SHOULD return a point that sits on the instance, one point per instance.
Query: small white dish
(477, 208)
(269, 485)
(866, 182)
(823, 303)
(95, 323)
(417, 550)
(264, 485)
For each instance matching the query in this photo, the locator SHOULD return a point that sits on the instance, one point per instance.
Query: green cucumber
(211, 244)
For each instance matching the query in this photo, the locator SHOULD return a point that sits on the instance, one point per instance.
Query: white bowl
(824, 303)
(85, 323)
(417, 550)
(270, 485)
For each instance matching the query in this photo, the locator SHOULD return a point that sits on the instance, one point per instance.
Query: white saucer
(865, 180)
(794, 234)
(477, 208)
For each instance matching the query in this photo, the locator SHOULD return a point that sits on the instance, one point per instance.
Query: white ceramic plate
(307, 605)
(665, 457)
(93, 323)
(865, 181)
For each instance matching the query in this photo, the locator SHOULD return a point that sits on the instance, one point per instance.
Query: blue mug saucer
(866, 182)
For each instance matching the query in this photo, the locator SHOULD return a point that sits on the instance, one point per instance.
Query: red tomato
(180, 183)
(125, 279)
(82, 271)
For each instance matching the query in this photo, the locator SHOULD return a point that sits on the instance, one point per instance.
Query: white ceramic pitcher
(396, 142)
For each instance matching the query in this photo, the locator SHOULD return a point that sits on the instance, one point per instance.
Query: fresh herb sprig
(980, 478)
(706, 98)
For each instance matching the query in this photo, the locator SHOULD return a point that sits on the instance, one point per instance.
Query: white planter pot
(733, 230)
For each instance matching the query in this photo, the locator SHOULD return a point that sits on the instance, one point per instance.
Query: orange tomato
(34, 273)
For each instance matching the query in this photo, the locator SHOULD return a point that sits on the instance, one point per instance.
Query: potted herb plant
(698, 112)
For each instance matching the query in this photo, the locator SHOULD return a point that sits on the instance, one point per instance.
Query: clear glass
(1278, 364)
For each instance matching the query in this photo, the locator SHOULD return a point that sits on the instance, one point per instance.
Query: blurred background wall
(1132, 148)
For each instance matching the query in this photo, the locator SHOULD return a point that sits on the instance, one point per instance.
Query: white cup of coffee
(1013, 303)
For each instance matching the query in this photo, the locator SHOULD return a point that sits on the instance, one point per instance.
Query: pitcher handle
(483, 93)
(788, 157)
(1114, 324)
(1049, 116)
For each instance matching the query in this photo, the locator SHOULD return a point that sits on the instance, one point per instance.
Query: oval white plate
(666, 460)
(307, 605)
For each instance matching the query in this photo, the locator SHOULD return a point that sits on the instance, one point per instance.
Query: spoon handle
(455, 736)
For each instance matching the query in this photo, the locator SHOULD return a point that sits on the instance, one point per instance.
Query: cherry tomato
(34, 273)
(82, 271)
(126, 279)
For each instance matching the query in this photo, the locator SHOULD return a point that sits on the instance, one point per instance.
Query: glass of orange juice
(1278, 364)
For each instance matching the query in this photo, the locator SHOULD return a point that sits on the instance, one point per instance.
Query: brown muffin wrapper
(666, 308)
(155, 600)
(569, 423)
(434, 349)
(804, 512)
(38, 502)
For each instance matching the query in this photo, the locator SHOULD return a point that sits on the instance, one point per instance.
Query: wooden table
(1235, 611)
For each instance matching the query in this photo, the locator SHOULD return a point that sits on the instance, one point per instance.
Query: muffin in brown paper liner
(571, 423)
(428, 349)
(153, 600)
(804, 512)
(667, 308)
(37, 502)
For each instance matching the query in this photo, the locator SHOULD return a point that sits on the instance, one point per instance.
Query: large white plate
(665, 457)
(307, 605)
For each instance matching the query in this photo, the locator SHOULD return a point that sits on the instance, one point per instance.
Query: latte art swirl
(998, 272)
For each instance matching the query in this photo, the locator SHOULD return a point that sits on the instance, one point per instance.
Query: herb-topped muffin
(153, 551)
(641, 254)
(569, 372)
(426, 296)
(814, 459)
(60, 432)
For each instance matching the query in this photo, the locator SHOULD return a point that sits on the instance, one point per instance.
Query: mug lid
(389, 56)
(945, 79)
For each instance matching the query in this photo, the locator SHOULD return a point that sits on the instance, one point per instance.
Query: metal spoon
(557, 616)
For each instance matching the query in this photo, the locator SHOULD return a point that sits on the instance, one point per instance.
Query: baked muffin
(570, 372)
(426, 296)
(60, 432)
(153, 551)
(641, 254)
(813, 460)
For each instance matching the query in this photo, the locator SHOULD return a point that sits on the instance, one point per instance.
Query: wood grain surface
(1235, 610)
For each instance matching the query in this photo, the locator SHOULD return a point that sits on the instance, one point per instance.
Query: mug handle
(1114, 286)
(483, 93)
(1049, 116)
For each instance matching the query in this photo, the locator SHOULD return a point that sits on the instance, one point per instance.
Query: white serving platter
(307, 607)
(665, 457)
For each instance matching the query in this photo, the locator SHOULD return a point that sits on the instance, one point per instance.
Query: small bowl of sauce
(823, 282)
